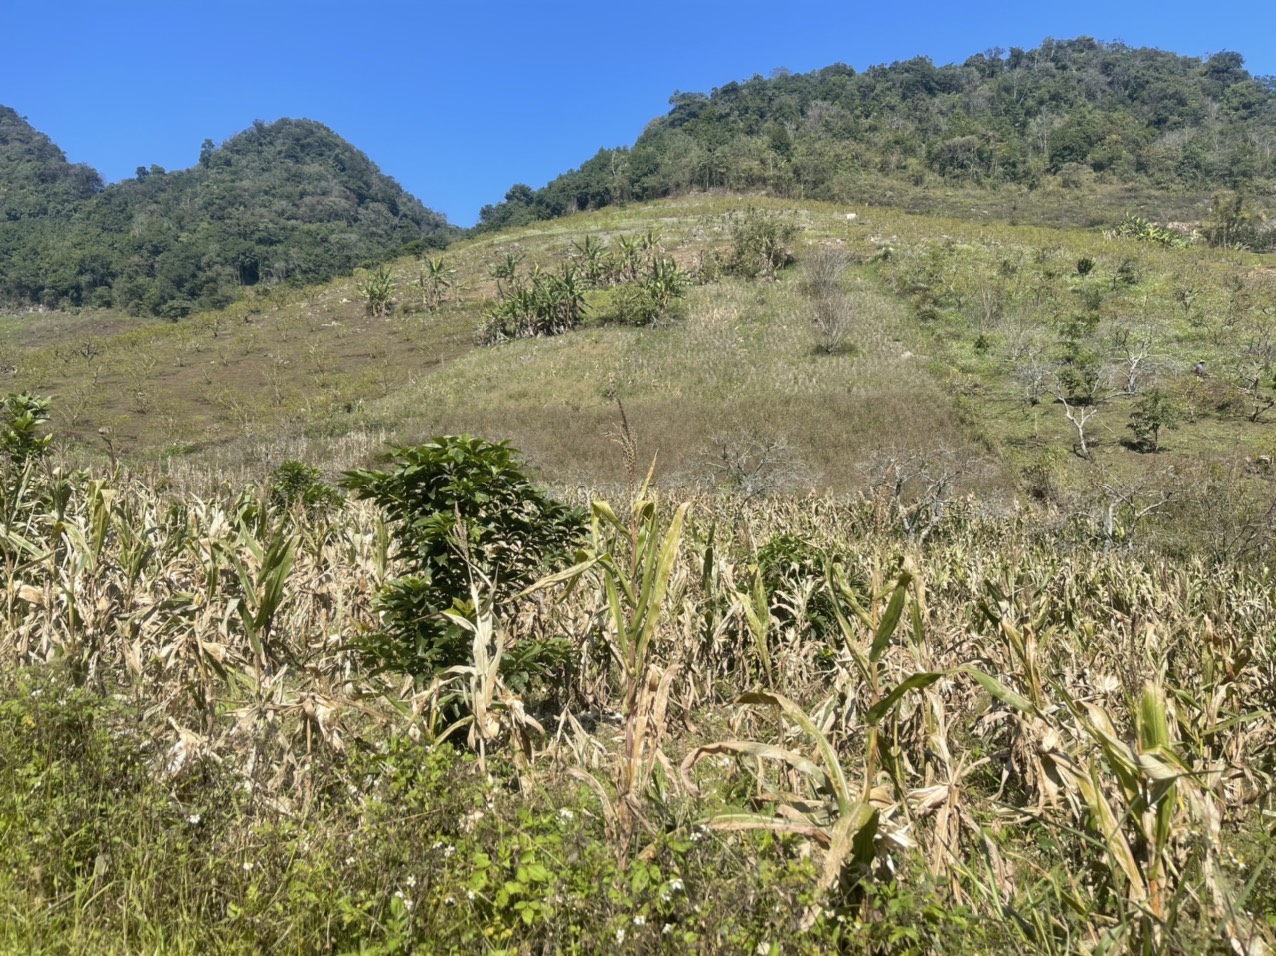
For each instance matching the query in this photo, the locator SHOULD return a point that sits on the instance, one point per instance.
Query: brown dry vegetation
(1079, 759)
(1083, 758)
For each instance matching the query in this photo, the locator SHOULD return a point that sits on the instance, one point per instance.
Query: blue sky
(460, 100)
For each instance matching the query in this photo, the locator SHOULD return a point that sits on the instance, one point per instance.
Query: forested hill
(35, 178)
(1078, 109)
(280, 201)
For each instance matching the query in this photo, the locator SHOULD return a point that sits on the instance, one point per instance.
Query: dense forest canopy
(1070, 108)
(35, 178)
(280, 201)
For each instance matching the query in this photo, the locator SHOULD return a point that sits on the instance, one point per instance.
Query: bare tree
(1133, 346)
(1121, 508)
(832, 315)
(1079, 415)
(753, 465)
(1031, 369)
(1081, 403)
(919, 489)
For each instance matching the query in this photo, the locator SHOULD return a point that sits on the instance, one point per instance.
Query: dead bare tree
(919, 489)
(1122, 508)
(753, 465)
(1133, 346)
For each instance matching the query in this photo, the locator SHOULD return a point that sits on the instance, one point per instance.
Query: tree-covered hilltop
(280, 201)
(35, 178)
(1073, 108)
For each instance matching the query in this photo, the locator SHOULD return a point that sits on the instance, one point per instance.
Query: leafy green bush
(461, 507)
(21, 418)
(295, 483)
(759, 244)
(1153, 412)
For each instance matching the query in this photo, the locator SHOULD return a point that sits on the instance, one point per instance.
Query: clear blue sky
(460, 100)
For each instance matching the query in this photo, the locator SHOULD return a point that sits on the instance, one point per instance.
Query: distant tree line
(1068, 108)
(287, 201)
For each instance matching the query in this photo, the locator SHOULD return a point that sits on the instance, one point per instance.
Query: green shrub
(759, 244)
(295, 483)
(460, 507)
(1154, 411)
(21, 418)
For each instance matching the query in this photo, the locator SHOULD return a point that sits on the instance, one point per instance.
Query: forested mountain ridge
(285, 200)
(1074, 110)
(35, 177)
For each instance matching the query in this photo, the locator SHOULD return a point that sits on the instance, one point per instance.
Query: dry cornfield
(779, 727)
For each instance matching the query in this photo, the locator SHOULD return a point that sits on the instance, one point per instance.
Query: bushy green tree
(1154, 412)
(760, 244)
(22, 416)
(461, 508)
(295, 484)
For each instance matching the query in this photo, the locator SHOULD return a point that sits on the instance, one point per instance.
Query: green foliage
(786, 562)
(551, 304)
(759, 243)
(295, 484)
(21, 418)
(377, 292)
(1154, 411)
(281, 202)
(1071, 112)
(461, 507)
(37, 180)
(436, 279)
(1233, 224)
(1133, 226)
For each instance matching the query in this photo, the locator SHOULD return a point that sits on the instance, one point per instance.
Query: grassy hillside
(970, 350)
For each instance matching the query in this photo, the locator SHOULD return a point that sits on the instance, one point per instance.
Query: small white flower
(448, 851)
(193, 819)
(248, 865)
(411, 882)
(620, 935)
(349, 861)
(469, 894)
(640, 920)
(668, 928)
(676, 885)
(566, 814)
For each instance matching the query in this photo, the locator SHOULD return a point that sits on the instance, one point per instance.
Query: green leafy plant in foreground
(21, 418)
(459, 506)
